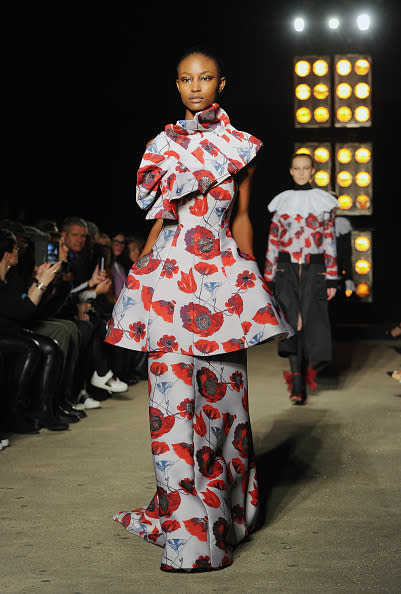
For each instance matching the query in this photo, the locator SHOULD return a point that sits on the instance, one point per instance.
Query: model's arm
(330, 254)
(242, 228)
(272, 251)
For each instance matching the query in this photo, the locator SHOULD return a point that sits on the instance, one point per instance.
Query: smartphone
(52, 252)
(101, 263)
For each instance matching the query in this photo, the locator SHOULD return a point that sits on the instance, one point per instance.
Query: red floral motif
(238, 466)
(199, 320)
(312, 221)
(199, 425)
(207, 463)
(254, 496)
(159, 447)
(187, 284)
(206, 346)
(170, 525)
(205, 179)
(197, 527)
(235, 304)
(137, 331)
(183, 371)
(165, 309)
(172, 133)
(202, 243)
(149, 176)
(210, 498)
(317, 238)
(220, 193)
(245, 402)
(211, 412)
(132, 283)
(169, 268)
(209, 386)
(159, 424)
(205, 269)
(227, 258)
(237, 380)
(234, 344)
(217, 484)
(188, 485)
(146, 296)
(185, 451)
(163, 504)
(145, 264)
(158, 368)
(113, 335)
(241, 439)
(202, 562)
(220, 530)
(167, 343)
(246, 326)
(237, 514)
(228, 420)
(186, 408)
(200, 207)
(245, 280)
(176, 235)
(265, 315)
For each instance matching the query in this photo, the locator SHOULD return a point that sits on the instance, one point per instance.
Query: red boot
(295, 386)
(310, 376)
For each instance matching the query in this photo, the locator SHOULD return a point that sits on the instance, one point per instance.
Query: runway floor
(330, 474)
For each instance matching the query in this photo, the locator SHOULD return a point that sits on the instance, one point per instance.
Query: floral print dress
(195, 303)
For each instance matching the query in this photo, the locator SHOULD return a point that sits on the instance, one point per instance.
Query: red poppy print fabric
(195, 293)
(206, 496)
(303, 224)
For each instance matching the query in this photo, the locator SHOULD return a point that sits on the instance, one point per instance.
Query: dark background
(87, 85)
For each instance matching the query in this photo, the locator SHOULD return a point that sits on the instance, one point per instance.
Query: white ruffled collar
(303, 202)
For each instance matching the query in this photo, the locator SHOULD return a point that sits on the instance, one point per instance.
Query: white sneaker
(108, 382)
(91, 403)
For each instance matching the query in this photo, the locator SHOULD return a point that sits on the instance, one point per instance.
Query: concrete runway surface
(330, 474)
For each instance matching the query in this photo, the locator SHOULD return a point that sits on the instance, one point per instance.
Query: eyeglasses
(117, 241)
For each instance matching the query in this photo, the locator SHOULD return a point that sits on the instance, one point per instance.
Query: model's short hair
(70, 221)
(208, 52)
(307, 155)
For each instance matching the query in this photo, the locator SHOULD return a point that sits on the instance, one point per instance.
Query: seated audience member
(88, 284)
(19, 304)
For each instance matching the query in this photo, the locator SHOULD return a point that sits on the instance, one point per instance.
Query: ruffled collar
(303, 202)
(208, 119)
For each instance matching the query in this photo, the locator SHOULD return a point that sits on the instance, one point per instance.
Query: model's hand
(331, 293)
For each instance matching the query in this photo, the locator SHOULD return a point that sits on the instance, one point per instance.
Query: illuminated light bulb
(321, 114)
(321, 154)
(304, 150)
(362, 113)
(345, 201)
(302, 68)
(344, 179)
(363, 179)
(333, 23)
(343, 67)
(362, 266)
(299, 24)
(344, 90)
(363, 22)
(303, 92)
(344, 156)
(362, 201)
(320, 67)
(362, 66)
(362, 90)
(348, 292)
(362, 243)
(321, 91)
(363, 155)
(322, 178)
(303, 115)
(362, 290)
(344, 114)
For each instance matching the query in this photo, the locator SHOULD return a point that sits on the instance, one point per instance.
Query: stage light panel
(312, 91)
(353, 177)
(362, 263)
(352, 91)
(321, 153)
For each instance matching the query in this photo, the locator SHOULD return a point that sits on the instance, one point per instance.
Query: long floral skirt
(207, 496)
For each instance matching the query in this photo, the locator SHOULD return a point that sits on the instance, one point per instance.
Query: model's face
(117, 245)
(301, 170)
(198, 83)
(75, 238)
